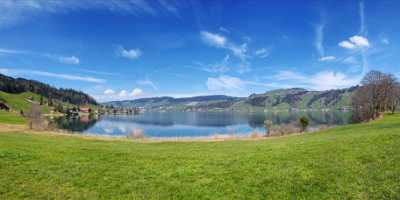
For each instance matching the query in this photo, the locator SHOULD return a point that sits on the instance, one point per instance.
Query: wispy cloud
(218, 67)
(318, 43)
(72, 60)
(221, 41)
(132, 54)
(225, 83)
(262, 53)
(327, 58)
(147, 82)
(213, 39)
(14, 11)
(16, 72)
(12, 51)
(240, 51)
(234, 85)
(319, 38)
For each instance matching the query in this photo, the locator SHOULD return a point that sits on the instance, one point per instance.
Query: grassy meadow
(350, 162)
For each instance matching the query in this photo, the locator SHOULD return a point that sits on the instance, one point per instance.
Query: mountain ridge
(280, 99)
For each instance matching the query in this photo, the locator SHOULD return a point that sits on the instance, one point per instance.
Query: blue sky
(127, 49)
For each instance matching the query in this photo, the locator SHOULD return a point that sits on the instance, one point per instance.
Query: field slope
(349, 162)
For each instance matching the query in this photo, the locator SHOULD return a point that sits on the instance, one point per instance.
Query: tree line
(379, 92)
(19, 85)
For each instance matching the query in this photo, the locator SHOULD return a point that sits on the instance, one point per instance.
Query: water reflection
(193, 124)
(75, 124)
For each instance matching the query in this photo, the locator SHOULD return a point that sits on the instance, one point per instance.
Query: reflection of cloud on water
(108, 130)
(126, 128)
(199, 125)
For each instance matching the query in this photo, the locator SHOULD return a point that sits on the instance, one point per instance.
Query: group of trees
(18, 85)
(379, 92)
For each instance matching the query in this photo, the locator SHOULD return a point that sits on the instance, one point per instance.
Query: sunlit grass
(349, 162)
(11, 118)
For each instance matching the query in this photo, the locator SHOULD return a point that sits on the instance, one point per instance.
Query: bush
(284, 129)
(304, 122)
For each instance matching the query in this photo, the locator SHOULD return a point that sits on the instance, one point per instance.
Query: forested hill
(282, 99)
(19, 85)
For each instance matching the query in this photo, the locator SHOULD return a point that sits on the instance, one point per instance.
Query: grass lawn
(11, 118)
(350, 162)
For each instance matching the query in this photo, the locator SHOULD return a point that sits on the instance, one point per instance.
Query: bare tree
(377, 94)
(36, 120)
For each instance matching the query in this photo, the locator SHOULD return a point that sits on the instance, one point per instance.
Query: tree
(35, 118)
(268, 127)
(41, 100)
(304, 122)
(378, 93)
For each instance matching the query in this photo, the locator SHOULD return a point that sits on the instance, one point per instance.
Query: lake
(193, 124)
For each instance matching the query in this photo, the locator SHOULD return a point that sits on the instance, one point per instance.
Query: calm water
(192, 124)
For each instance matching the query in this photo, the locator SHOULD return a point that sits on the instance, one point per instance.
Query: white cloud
(132, 54)
(323, 80)
(53, 75)
(262, 53)
(109, 92)
(225, 83)
(331, 80)
(213, 39)
(111, 95)
(355, 42)
(346, 44)
(360, 41)
(72, 60)
(327, 58)
(136, 92)
(123, 94)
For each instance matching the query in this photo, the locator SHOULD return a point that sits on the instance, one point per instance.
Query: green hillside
(22, 101)
(275, 100)
(350, 162)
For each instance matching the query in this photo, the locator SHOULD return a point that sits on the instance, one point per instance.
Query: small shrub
(285, 129)
(255, 134)
(304, 122)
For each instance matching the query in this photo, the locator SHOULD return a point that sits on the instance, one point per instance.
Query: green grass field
(350, 162)
(11, 118)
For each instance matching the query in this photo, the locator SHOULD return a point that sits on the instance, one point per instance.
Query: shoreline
(7, 128)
